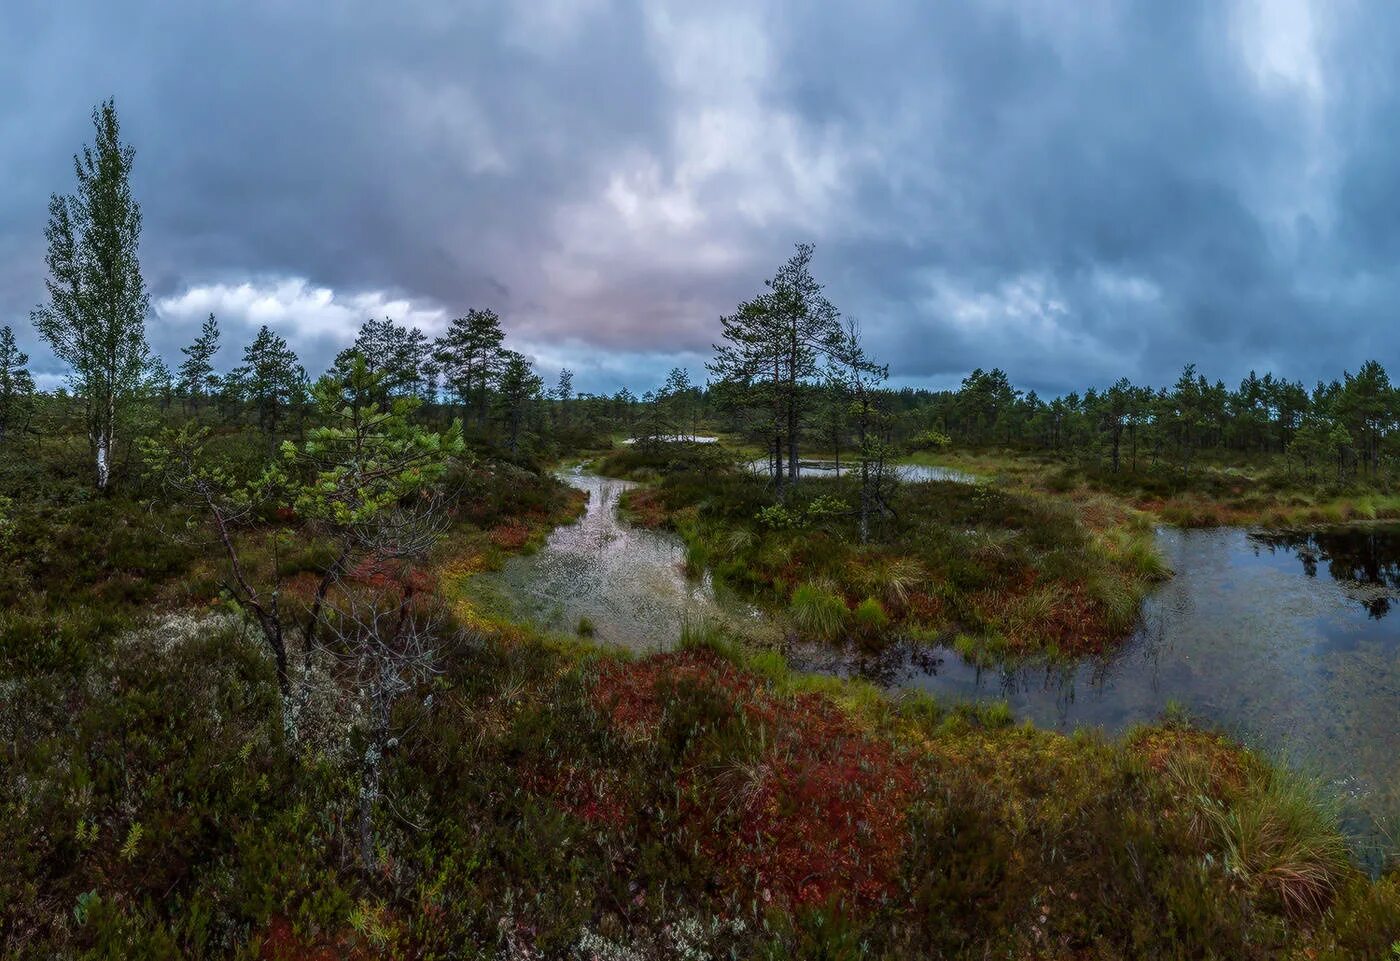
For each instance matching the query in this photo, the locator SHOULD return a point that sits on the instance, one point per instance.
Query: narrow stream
(628, 582)
(1289, 641)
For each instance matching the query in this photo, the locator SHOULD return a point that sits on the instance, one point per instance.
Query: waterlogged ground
(1289, 641)
(629, 583)
(830, 468)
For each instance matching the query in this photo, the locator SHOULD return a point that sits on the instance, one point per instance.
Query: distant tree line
(789, 374)
(1342, 428)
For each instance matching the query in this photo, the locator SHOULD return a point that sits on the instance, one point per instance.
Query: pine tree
(564, 392)
(197, 377)
(398, 355)
(95, 320)
(469, 355)
(16, 387)
(677, 396)
(773, 345)
(519, 384)
(160, 381)
(270, 379)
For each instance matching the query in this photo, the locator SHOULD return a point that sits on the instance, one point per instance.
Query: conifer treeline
(1347, 424)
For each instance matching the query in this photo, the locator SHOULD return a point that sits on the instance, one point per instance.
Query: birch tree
(95, 320)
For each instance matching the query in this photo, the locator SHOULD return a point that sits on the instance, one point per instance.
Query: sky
(1073, 192)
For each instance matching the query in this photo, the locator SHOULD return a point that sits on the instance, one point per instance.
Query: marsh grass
(818, 611)
(1282, 837)
(1015, 573)
(677, 786)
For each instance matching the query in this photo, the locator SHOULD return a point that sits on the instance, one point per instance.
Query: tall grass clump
(870, 617)
(817, 611)
(1137, 552)
(1283, 838)
(890, 579)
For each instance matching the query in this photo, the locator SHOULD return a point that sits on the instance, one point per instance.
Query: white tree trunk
(104, 460)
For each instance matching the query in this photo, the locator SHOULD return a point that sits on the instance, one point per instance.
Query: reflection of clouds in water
(629, 581)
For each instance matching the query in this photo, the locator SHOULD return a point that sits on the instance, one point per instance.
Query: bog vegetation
(247, 712)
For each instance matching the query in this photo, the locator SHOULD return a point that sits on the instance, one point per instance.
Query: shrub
(778, 518)
(930, 440)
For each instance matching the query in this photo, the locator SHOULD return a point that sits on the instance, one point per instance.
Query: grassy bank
(1259, 492)
(1001, 573)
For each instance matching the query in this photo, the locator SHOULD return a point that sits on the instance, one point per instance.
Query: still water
(629, 582)
(905, 472)
(1289, 641)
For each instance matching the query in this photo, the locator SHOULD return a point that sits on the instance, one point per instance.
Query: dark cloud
(1072, 192)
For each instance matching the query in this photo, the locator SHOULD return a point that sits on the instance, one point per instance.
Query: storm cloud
(1073, 192)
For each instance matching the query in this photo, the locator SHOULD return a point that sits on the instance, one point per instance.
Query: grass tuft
(818, 611)
(1283, 838)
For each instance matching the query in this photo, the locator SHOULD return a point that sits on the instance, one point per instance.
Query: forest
(255, 704)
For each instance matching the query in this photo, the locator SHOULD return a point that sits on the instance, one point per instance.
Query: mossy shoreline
(1002, 574)
(1213, 495)
(1026, 833)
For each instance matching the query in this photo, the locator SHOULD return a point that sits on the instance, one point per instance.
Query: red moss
(646, 507)
(926, 608)
(510, 536)
(588, 794)
(280, 942)
(382, 572)
(1076, 624)
(1227, 764)
(818, 816)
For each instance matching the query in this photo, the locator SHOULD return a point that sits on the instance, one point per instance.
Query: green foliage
(362, 460)
(16, 388)
(1283, 839)
(870, 618)
(196, 374)
(668, 457)
(929, 440)
(778, 518)
(95, 320)
(817, 611)
(270, 379)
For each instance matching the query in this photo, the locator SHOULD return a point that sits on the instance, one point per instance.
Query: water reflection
(628, 582)
(1247, 637)
(910, 473)
(1365, 560)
